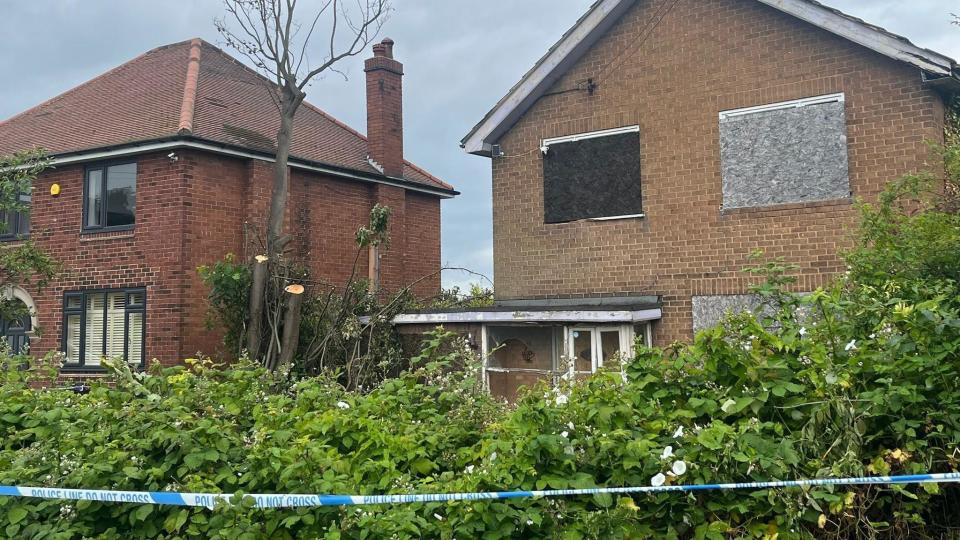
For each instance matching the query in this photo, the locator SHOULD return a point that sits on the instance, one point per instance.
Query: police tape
(296, 500)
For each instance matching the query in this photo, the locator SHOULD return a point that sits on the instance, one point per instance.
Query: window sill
(787, 208)
(69, 370)
(14, 239)
(107, 234)
(618, 218)
(599, 219)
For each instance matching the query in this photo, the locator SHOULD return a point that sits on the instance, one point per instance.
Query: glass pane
(610, 345)
(583, 350)
(93, 333)
(135, 299)
(640, 331)
(135, 338)
(515, 347)
(94, 198)
(116, 313)
(73, 302)
(24, 225)
(121, 194)
(72, 332)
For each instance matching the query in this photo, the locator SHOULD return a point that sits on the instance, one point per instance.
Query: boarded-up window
(592, 175)
(785, 153)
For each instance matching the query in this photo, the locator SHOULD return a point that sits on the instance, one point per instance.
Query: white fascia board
(575, 316)
(197, 145)
(564, 54)
(863, 34)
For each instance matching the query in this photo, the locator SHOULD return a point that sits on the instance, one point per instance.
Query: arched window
(16, 331)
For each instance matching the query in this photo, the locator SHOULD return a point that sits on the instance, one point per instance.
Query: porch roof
(611, 309)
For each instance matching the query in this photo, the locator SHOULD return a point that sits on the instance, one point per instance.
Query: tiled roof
(150, 98)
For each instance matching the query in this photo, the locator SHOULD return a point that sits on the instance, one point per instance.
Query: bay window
(104, 323)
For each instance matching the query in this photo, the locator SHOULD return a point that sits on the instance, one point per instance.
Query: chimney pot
(384, 48)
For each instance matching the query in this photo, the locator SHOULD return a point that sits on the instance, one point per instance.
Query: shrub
(859, 378)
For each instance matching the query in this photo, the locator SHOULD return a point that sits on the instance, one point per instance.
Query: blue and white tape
(296, 500)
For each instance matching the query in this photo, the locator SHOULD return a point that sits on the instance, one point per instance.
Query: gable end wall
(704, 56)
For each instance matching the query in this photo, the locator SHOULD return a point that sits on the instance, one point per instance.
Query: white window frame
(791, 104)
(545, 143)
(627, 333)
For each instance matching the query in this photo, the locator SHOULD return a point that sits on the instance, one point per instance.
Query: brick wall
(705, 56)
(149, 256)
(192, 212)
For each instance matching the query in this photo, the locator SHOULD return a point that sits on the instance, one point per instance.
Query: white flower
(570, 425)
(468, 469)
(667, 453)
(493, 456)
(727, 404)
(679, 467)
(658, 480)
(529, 522)
(561, 399)
(803, 330)
(678, 433)
(438, 516)
(564, 434)
(343, 405)
(873, 336)
(852, 346)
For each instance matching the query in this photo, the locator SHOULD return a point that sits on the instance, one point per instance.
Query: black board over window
(592, 176)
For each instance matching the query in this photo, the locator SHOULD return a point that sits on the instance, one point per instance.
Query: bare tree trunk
(261, 270)
(291, 326)
(290, 100)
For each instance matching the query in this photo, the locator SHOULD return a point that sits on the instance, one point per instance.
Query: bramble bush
(859, 378)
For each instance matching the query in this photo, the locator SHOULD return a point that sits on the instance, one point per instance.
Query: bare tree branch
(266, 33)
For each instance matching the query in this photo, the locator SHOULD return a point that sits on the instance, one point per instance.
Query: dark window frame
(14, 229)
(79, 364)
(102, 166)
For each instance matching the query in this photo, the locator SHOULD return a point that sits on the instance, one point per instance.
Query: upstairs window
(790, 152)
(110, 197)
(98, 324)
(15, 222)
(592, 175)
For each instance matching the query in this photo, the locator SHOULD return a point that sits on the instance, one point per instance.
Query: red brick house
(159, 165)
(660, 142)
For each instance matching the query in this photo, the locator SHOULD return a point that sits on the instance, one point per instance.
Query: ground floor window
(522, 355)
(104, 323)
(16, 333)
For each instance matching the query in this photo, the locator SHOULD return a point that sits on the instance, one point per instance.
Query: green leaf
(142, 512)
(17, 515)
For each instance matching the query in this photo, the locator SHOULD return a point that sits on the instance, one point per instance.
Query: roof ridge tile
(190, 89)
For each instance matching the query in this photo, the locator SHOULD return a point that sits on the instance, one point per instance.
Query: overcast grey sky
(459, 56)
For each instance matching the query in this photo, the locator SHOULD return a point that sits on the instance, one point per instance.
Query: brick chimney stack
(385, 109)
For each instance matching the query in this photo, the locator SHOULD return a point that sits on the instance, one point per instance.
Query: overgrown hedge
(860, 378)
